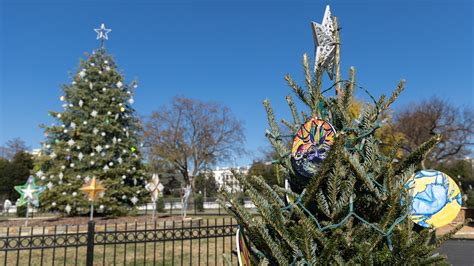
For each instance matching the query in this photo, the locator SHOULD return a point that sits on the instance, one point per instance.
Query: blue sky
(234, 52)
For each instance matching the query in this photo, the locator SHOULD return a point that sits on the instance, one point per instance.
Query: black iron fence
(190, 242)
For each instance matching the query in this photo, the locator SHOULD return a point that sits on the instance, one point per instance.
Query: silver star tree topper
(102, 33)
(324, 40)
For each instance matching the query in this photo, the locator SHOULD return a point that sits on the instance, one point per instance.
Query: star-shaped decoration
(98, 148)
(94, 113)
(154, 187)
(102, 32)
(93, 189)
(134, 200)
(325, 43)
(71, 142)
(29, 192)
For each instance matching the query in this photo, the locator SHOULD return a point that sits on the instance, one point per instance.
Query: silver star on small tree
(324, 40)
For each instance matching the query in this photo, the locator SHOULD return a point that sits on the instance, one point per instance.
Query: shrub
(199, 202)
(21, 211)
(160, 204)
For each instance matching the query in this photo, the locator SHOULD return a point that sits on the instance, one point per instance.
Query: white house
(225, 179)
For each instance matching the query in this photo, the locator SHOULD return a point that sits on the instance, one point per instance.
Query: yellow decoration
(122, 109)
(93, 189)
(436, 198)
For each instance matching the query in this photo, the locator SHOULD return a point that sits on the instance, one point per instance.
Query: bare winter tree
(421, 121)
(192, 135)
(12, 147)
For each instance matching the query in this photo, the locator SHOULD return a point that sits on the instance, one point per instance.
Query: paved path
(459, 252)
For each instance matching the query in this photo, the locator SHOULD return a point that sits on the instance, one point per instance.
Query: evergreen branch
(308, 80)
(290, 126)
(325, 167)
(360, 172)
(417, 155)
(322, 203)
(394, 96)
(298, 91)
(294, 112)
(451, 233)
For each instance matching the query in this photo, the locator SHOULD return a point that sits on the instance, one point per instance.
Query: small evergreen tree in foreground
(97, 135)
(349, 209)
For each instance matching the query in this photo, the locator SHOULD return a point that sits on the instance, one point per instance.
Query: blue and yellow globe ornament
(435, 199)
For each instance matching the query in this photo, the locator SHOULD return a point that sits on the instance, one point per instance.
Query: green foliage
(21, 211)
(470, 199)
(96, 135)
(199, 202)
(266, 171)
(160, 204)
(349, 211)
(14, 172)
(206, 184)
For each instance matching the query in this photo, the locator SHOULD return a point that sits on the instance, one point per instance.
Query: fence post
(90, 243)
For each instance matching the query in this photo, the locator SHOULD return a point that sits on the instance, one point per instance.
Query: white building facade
(226, 180)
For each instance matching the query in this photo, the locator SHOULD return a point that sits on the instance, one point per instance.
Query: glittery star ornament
(93, 189)
(324, 40)
(29, 192)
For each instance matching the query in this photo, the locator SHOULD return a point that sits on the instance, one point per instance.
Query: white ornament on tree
(80, 156)
(94, 113)
(67, 208)
(95, 131)
(81, 102)
(82, 74)
(119, 84)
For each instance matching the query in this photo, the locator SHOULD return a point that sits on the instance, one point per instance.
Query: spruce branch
(294, 112)
(298, 91)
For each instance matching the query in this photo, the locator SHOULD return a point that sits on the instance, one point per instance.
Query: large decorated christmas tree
(95, 136)
(344, 201)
